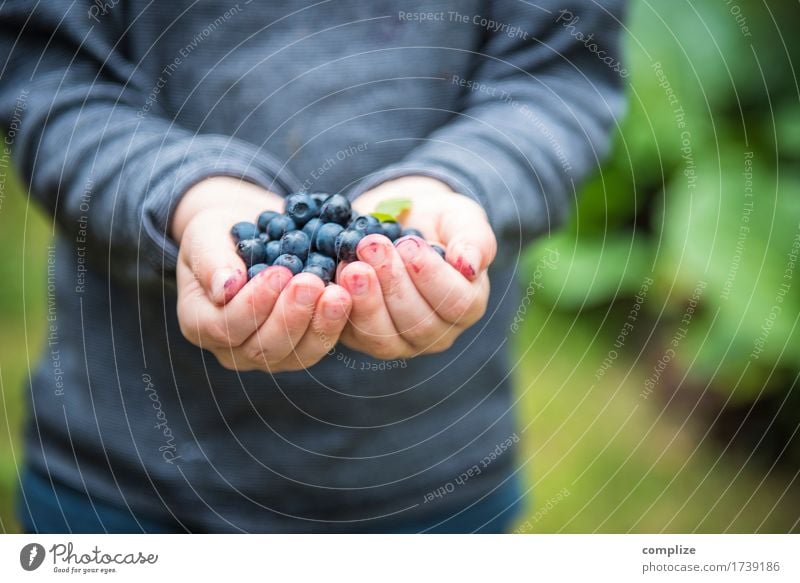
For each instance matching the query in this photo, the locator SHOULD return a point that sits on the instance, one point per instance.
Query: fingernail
(334, 310)
(409, 247)
(305, 294)
(223, 284)
(467, 261)
(359, 284)
(277, 278)
(374, 252)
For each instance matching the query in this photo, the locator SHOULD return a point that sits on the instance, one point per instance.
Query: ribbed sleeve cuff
(190, 161)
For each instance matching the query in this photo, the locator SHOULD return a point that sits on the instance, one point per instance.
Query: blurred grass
(24, 235)
(627, 463)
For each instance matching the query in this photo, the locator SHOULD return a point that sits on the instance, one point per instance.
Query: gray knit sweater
(114, 108)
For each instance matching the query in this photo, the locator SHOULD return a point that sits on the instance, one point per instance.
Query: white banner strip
(401, 558)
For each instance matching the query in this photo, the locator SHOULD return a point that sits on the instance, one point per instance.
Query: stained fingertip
(410, 248)
(374, 249)
(357, 284)
(408, 240)
(356, 278)
(465, 267)
(225, 284)
(466, 259)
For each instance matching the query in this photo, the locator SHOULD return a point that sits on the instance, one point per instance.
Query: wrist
(240, 200)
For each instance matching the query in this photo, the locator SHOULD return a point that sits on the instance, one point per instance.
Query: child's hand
(407, 300)
(274, 322)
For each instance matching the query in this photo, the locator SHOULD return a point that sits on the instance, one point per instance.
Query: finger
(194, 309)
(209, 253)
(454, 299)
(327, 323)
(250, 308)
(232, 324)
(471, 244)
(287, 323)
(413, 318)
(371, 329)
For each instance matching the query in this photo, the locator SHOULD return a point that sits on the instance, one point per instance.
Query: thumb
(208, 250)
(470, 242)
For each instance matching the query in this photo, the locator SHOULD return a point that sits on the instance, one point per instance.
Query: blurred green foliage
(23, 240)
(703, 187)
(702, 196)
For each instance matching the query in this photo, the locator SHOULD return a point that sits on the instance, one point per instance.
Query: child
(175, 396)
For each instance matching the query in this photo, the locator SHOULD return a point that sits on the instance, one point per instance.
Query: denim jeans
(57, 508)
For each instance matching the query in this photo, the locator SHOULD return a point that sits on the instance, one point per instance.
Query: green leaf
(393, 207)
(384, 217)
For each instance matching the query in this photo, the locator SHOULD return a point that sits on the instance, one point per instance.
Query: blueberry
(243, 230)
(273, 250)
(296, 243)
(301, 208)
(264, 219)
(321, 260)
(251, 251)
(439, 249)
(263, 237)
(256, 269)
(391, 229)
(367, 224)
(320, 272)
(335, 209)
(415, 232)
(319, 197)
(325, 241)
(279, 225)
(311, 228)
(346, 244)
(292, 262)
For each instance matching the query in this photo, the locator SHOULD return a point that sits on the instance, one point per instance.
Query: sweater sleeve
(109, 168)
(537, 115)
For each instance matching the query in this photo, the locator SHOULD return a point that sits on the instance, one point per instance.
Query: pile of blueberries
(314, 233)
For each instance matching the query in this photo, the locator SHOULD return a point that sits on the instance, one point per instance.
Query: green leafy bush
(703, 188)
